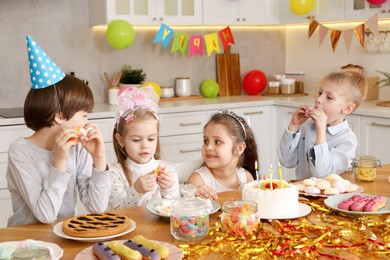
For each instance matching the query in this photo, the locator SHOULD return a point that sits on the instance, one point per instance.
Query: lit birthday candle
(270, 178)
(280, 175)
(257, 174)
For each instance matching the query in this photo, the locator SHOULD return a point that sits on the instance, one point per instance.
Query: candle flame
(256, 167)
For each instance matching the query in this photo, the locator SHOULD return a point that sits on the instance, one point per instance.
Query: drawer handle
(190, 150)
(378, 124)
(188, 124)
(253, 113)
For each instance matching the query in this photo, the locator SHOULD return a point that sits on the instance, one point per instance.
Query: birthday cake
(281, 200)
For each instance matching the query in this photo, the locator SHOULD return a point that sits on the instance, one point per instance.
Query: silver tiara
(239, 119)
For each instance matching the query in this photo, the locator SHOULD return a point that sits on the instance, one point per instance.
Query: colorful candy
(239, 218)
(189, 227)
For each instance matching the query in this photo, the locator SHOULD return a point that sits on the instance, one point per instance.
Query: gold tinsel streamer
(322, 234)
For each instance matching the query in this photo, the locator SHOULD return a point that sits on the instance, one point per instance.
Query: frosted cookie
(322, 184)
(312, 190)
(375, 204)
(352, 188)
(333, 177)
(340, 186)
(331, 191)
(309, 182)
(300, 186)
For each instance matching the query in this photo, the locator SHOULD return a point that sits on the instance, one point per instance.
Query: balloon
(376, 2)
(155, 86)
(302, 6)
(254, 82)
(120, 34)
(209, 88)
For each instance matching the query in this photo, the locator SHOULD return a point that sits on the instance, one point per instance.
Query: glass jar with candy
(239, 218)
(189, 219)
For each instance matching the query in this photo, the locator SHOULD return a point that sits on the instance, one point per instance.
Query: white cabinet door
(324, 10)
(181, 148)
(361, 9)
(260, 119)
(240, 12)
(282, 120)
(354, 124)
(146, 12)
(374, 137)
(106, 127)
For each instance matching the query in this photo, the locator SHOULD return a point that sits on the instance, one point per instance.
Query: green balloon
(120, 34)
(209, 88)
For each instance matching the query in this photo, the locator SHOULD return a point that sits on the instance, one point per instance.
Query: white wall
(61, 28)
(306, 54)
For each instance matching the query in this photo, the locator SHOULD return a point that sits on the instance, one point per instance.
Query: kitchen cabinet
(106, 126)
(146, 12)
(374, 140)
(324, 10)
(240, 12)
(361, 9)
(354, 124)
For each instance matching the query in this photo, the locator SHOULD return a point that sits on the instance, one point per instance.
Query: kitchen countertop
(104, 110)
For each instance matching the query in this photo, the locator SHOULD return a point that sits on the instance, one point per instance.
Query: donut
(322, 184)
(124, 252)
(146, 252)
(340, 186)
(331, 191)
(101, 251)
(312, 190)
(359, 204)
(346, 204)
(375, 204)
(162, 250)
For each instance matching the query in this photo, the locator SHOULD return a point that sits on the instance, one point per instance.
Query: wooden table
(157, 228)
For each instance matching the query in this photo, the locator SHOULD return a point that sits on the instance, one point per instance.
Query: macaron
(312, 190)
(322, 184)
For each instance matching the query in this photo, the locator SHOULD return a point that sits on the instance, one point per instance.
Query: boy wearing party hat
(48, 169)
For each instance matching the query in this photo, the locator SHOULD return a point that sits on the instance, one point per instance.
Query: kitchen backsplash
(62, 30)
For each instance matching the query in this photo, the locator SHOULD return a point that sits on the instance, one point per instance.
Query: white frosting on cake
(276, 202)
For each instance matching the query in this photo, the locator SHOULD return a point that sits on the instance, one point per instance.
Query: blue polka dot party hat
(43, 71)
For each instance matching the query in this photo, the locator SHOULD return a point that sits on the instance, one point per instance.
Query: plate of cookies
(328, 186)
(137, 247)
(94, 227)
(359, 204)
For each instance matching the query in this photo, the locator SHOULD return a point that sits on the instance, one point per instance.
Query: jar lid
(287, 81)
(166, 87)
(274, 83)
(188, 206)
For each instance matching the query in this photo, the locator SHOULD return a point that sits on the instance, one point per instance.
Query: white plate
(87, 254)
(359, 190)
(302, 211)
(57, 251)
(334, 201)
(152, 205)
(57, 229)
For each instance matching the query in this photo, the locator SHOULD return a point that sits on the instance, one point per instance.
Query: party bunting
(359, 30)
(195, 42)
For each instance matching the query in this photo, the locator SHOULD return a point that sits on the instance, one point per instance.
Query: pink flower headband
(130, 99)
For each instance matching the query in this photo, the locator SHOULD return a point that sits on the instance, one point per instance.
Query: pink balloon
(254, 82)
(376, 2)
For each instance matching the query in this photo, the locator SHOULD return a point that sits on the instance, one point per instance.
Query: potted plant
(384, 83)
(131, 76)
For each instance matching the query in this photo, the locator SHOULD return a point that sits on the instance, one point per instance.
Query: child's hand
(93, 142)
(206, 192)
(164, 179)
(300, 115)
(145, 183)
(62, 144)
(320, 119)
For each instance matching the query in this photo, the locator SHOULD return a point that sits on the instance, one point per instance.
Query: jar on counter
(274, 87)
(239, 218)
(183, 87)
(364, 167)
(167, 92)
(287, 86)
(189, 219)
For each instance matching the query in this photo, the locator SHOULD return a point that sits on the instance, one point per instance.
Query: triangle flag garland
(211, 41)
(372, 24)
